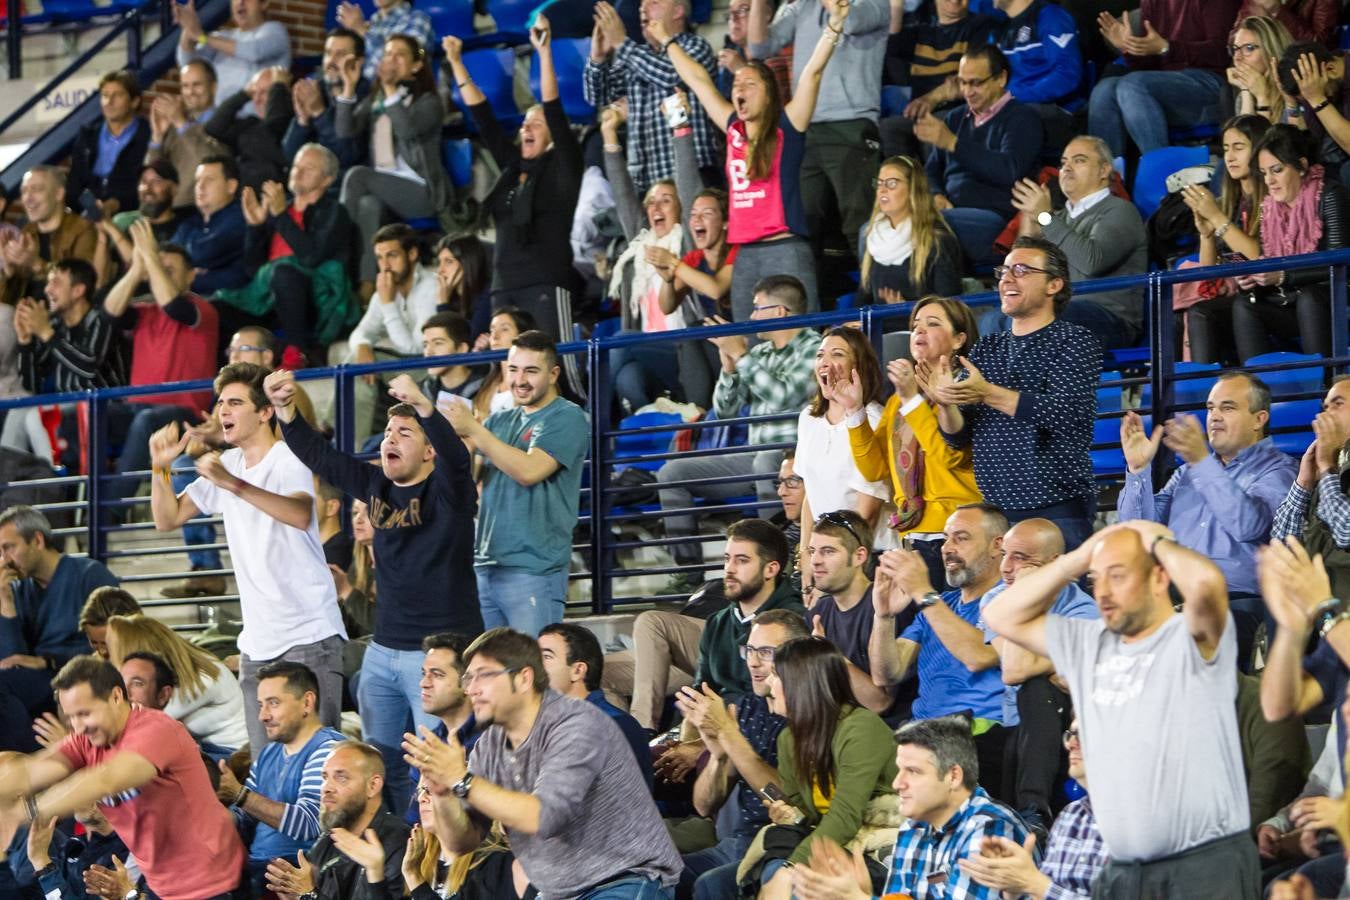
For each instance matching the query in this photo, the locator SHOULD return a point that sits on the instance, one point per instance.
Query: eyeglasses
(1244, 49)
(423, 792)
(468, 678)
(974, 82)
(735, 15)
(245, 348)
(1071, 737)
(766, 307)
(839, 519)
(1018, 270)
(763, 654)
(792, 482)
(889, 184)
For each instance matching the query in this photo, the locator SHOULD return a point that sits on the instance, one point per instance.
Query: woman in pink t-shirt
(765, 140)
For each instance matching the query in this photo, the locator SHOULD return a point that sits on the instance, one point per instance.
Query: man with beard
(313, 102)
(362, 849)
(1155, 695)
(177, 126)
(422, 501)
(281, 794)
(155, 191)
(958, 671)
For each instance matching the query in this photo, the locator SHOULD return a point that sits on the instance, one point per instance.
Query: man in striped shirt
(281, 794)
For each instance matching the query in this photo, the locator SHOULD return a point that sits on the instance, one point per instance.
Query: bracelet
(1332, 622)
(242, 796)
(30, 806)
(665, 48)
(682, 131)
(613, 148)
(463, 84)
(1326, 101)
(1222, 230)
(201, 40)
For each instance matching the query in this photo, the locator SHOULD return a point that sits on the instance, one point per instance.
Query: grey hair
(330, 160)
(949, 739)
(1102, 148)
(29, 523)
(56, 173)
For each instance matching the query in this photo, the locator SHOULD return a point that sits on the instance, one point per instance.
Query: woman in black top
(531, 204)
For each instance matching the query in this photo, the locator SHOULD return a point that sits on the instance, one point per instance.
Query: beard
(342, 816)
(743, 589)
(153, 209)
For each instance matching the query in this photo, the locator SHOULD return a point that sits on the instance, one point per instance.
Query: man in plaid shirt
(949, 814)
(776, 376)
(391, 17)
(621, 67)
(1074, 853)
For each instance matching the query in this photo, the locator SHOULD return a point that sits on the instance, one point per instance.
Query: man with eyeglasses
(1074, 852)
(1028, 398)
(979, 151)
(839, 549)
(1155, 693)
(742, 745)
(556, 773)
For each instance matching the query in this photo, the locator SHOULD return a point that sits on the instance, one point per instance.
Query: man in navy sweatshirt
(422, 502)
(1040, 39)
(979, 151)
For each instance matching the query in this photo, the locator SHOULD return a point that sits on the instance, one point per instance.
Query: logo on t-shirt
(1120, 679)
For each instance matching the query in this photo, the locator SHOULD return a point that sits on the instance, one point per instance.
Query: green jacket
(864, 767)
(719, 655)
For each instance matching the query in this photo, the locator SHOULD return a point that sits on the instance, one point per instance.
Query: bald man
(1033, 703)
(1154, 692)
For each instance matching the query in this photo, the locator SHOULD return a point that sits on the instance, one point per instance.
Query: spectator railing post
(134, 41)
(602, 588)
(344, 409)
(1340, 317)
(871, 326)
(14, 37)
(166, 16)
(97, 452)
(1161, 367)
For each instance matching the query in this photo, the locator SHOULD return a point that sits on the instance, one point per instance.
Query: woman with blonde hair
(1256, 44)
(907, 248)
(207, 700)
(431, 871)
(101, 605)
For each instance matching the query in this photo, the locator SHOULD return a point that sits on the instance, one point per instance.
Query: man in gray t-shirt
(1154, 691)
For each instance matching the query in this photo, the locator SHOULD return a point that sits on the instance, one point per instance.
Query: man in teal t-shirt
(532, 456)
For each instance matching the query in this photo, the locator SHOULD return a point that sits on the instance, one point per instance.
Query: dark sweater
(322, 129)
(988, 160)
(925, 55)
(423, 534)
(121, 183)
(1334, 209)
(92, 354)
(216, 246)
(327, 234)
(533, 219)
(942, 278)
(719, 655)
(255, 142)
(1196, 32)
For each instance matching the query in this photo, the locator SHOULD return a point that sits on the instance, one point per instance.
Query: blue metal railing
(599, 501)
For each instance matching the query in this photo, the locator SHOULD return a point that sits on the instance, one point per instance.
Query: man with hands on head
(421, 501)
(312, 100)
(266, 496)
(360, 854)
(1155, 696)
(1317, 509)
(556, 775)
(742, 743)
(1222, 500)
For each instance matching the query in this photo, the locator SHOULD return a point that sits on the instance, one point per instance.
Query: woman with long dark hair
(401, 119)
(765, 142)
(1303, 212)
(494, 395)
(836, 759)
(464, 274)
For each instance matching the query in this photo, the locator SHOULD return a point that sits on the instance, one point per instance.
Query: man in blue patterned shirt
(640, 70)
(949, 815)
(1074, 853)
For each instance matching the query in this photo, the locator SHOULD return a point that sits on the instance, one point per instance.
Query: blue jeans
(519, 599)
(976, 229)
(389, 698)
(641, 373)
(1143, 105)
(135, 423)
(635, 888)
(711, 874)
(184, 473)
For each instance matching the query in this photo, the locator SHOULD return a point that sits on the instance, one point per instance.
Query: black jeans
(1035, 750)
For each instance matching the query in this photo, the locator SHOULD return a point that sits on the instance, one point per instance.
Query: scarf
(890, 245)
(640, 276)
(908, 459)
(1289, 230)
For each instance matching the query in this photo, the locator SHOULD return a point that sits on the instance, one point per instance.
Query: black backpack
(1171, 230)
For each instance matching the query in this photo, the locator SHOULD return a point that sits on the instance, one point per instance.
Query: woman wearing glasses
(836, 760)
(929, 479)
(765, 142)
(823, 458)
(908, 250)
(1255, 46)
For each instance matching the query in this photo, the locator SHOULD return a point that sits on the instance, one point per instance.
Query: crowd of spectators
(907, 672)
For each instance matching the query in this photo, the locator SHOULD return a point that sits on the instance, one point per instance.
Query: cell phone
(773, 792)
(676, 115)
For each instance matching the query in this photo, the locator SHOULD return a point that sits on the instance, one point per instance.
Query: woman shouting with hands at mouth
(765, 141)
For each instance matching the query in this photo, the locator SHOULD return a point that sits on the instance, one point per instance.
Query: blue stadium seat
(1203, 132)
(458, 158)
(847, 301)
(894, 99)
(1285, 382)
(1108, 461)
(449, 17)
(630, 445)
(1150, 181)
(513, 16)
(492, 70)
(569, 59)
(607, 327)
(1297, 414)
(1192, 390)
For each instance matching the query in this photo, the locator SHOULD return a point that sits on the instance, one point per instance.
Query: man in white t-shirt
(266, 496)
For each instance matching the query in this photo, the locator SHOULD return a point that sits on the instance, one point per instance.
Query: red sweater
(1196, 30)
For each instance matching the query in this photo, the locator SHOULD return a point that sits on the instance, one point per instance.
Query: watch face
(1043, 218)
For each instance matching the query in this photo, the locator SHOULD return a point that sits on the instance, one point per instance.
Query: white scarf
(640, 276)
(890, 245)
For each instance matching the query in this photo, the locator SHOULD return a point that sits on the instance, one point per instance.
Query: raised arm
(695, 77)
(1203, 589)
(802, 106)
(1018, 613)
(541, 40)
(167, 509)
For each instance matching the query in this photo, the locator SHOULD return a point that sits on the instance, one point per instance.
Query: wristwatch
(1044, 218)
(461, 788)
(928, 599)
(131, 894)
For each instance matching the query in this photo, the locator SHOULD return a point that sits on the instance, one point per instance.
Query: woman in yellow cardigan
(929, 479)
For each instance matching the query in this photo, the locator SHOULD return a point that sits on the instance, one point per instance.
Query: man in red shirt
(174, 337)
(144, 772)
